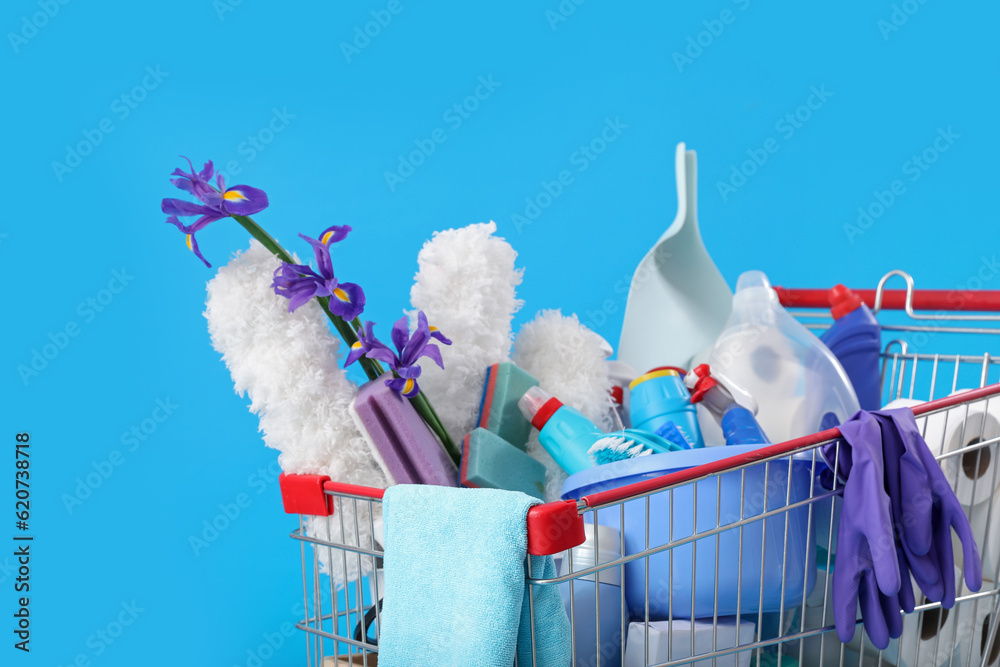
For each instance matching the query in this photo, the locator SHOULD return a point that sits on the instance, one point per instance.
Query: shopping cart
(742, 545)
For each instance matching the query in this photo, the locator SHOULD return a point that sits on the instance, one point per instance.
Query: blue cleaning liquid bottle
(855, 338)
(660, 403)
(740, 427)
(568, 435)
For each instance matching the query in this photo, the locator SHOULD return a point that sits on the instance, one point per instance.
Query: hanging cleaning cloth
(455, 592)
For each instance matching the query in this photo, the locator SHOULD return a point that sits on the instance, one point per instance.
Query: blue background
(227, 67)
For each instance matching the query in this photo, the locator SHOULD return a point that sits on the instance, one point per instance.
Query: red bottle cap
(704, 383)
(843, 301)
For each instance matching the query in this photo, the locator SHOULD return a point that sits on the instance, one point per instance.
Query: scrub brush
(616, 448)
(619, 447)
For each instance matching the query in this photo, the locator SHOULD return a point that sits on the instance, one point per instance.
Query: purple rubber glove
(867, 568)
(900, 430)
(909, 487)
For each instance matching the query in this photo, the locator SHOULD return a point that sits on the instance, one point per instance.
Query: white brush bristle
(616, 448)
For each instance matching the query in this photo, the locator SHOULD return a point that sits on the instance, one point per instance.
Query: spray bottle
(731, 405)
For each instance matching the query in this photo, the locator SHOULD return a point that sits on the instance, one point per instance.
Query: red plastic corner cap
(554, 527)
(304, 494)
(843, 301)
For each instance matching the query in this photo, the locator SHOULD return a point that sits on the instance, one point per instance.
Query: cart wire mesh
(728, 567)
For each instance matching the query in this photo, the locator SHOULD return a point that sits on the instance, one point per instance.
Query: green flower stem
(373, 369)
(426, 411)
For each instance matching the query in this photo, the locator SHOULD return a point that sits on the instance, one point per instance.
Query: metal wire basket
(748, 560)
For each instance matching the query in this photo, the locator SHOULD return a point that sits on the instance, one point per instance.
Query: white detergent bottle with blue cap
(594, 601)
(568, 435)
(798, 383)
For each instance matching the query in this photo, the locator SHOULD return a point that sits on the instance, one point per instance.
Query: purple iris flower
(216, 203)
(365, 343)
(409, 349)
(300, 283)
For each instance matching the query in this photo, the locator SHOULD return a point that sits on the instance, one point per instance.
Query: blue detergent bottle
(741, 428)
(855, 338)
(659, 399)
(568, 435)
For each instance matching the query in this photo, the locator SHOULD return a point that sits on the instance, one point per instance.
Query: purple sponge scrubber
(402, 444)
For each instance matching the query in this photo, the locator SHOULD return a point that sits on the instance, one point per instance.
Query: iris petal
(415, 347)
(192, 244)
(347, 300)
(323, 261)
(182, 207)
(431, 351)
(251, 200)
(400, 334)
(436, 334)
(334, 234)
(385, 355)
(357, 351)
(410, 389)
(206, 171)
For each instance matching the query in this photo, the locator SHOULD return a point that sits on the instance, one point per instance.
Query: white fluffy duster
(466, 285)
(288, 364)
(568, 360)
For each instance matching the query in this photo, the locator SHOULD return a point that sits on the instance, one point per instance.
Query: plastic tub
(710, 568)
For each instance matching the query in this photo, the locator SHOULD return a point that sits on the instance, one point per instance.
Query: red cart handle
(980, 301)
(772, 451)
(557, 526)
(552, 527)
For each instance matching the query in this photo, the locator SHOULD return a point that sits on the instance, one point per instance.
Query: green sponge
(490, 462)
(498, 411)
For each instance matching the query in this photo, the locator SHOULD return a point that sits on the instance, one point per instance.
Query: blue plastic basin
(737, 571)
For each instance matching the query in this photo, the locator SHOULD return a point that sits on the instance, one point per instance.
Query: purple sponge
(402, 444)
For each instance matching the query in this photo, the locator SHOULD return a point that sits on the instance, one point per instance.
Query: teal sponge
(490, 462)
(498, 411)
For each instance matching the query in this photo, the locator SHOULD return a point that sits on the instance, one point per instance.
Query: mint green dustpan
(678, 301)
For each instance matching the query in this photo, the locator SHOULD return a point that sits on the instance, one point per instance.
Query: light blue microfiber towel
(455, 592)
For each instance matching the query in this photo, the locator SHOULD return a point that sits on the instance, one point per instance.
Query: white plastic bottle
(596, 607)
(799, 384)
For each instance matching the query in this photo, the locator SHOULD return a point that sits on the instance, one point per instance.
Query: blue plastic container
(709, 569)
(659, 397)
(855, 338)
